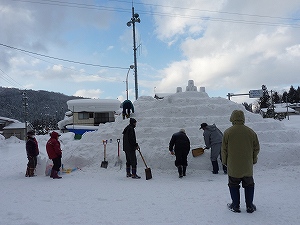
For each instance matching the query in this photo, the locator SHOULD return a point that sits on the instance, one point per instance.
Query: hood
(54, 135)
(211, 127)
(237, 117)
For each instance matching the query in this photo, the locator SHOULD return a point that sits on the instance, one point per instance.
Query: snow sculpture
(178, 89)
(202, 89)
(191, 86)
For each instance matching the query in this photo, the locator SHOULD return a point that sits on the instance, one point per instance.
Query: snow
(15, 125)
(94, 195)
(93, 105)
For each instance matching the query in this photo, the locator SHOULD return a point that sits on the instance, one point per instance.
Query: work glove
(172, 152)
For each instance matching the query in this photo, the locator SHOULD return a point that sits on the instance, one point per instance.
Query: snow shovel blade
(197, 151)
(104, 164)
(148, 173)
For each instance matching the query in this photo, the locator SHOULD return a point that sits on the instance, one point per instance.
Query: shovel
(147, 170)
(104, 163)
(119, 162)
(197, 151)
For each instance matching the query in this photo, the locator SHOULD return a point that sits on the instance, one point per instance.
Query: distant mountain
(42, 105)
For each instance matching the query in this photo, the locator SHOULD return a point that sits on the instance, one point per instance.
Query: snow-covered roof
(17, 125)
(8, 119)
(93, 105)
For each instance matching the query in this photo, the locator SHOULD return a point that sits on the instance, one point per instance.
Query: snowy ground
(94, 195)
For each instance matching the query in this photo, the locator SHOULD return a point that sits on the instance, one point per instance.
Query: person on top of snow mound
(181, 150)
(240, 148)
(127, 106)
(213, 139)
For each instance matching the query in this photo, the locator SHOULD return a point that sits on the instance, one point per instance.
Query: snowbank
(157, 120)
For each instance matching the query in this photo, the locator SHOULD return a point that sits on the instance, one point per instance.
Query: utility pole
(135, 18)
(25, 105)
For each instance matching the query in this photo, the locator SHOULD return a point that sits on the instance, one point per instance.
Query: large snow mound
(157, 120)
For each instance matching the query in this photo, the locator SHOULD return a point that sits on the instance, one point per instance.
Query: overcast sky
(84, 48)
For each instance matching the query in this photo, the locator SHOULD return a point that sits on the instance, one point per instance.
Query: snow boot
(55, 174)
(215, 167)
(249, 195)
(180, 171)
(184, 170)
(29, 172)
(128, 174)
(235, 197)
(52, 172)
(134, 175)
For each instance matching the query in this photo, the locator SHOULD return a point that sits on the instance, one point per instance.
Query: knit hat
(31, 132)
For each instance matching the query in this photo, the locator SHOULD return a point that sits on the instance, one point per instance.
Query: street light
(135, 18)
(130, 67)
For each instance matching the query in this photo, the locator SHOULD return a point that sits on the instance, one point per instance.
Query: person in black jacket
(129, 147)
(127, 106)
(182, 148)
(32, 151)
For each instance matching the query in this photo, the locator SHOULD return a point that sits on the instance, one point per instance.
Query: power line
(68, 68)
(106, 8)
(65, 60)
(11, 79)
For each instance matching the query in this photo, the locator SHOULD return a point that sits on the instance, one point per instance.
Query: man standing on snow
(32, 150)
(181, 150)
(213, 139)
(129, 147)
(240, 148)
(54, 152)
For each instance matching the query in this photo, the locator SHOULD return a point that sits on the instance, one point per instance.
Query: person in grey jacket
(213, 139)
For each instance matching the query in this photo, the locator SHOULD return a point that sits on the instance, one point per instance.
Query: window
(85, 115)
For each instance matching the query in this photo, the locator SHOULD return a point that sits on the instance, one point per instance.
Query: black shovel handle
(142, 158)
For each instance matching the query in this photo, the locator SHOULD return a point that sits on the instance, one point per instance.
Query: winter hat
(31, 132)
(132, 121)
(203, 125)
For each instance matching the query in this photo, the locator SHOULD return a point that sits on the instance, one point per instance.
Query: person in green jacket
(240, 147)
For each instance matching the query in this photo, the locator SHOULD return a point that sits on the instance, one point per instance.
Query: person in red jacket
(32, 151)
(54, 153)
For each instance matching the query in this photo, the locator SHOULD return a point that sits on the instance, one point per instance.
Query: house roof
(93, 105)
(17, 125)
(5, 119)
